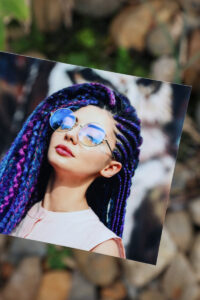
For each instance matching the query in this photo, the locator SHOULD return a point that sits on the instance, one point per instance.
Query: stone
(158, 42)
(168, 10)
(97, 268)
(69, 262)
(192, 67)
(180, 227)
(139, 274)
(130, 27)
(197, 114)
(3, 239)
(151, 294)
(182, 175)
(81, 289)
(21, 248)
(158, 198)
(55, 285)
(194, 209)
(7, 270)
(47, 14)
(163, 39)
(67, 7)
(25, 281)
(97, 8)
(179, 281)
(195, 256)
(191, 7)
(115, 291)
(126, 30)
(163, 68)
(192, 20)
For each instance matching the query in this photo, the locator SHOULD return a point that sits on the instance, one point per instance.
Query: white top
(79, 229)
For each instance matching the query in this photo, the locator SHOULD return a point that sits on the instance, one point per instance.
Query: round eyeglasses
(90, 134)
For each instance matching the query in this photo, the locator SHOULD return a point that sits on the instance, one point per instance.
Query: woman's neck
(62, 197)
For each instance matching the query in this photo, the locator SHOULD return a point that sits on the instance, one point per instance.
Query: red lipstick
(63, 150)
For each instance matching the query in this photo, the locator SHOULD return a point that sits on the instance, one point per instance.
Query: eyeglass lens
(62, 119)
(90, 134)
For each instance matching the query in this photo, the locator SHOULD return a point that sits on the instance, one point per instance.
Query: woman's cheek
(94, 161)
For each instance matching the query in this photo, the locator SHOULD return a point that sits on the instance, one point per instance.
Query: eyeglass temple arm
(110, 149)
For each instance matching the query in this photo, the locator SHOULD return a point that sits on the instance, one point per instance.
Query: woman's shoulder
(104, 240)
(108, 247)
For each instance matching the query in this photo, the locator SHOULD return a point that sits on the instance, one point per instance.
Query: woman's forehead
(93, 113)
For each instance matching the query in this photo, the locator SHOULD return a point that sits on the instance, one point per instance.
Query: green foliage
(2, 34)
(16, 9)
(34, 41)
(140, 70)
(55, 256)
(86, 38)
(83, 49)
(85, 45)
(76, 58)
(123, 61)
(126, 64)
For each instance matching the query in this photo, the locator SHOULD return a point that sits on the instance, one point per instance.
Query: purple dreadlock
(24, 170)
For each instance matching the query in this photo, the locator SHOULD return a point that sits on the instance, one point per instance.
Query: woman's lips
(64, 151)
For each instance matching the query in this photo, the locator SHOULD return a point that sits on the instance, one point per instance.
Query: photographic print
(87, 156)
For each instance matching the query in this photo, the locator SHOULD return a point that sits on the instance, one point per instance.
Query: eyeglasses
(90, 134)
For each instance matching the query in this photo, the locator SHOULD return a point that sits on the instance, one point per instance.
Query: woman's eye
(90, 138)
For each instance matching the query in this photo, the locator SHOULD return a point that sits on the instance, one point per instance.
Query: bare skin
(108, 247)
(73, 174)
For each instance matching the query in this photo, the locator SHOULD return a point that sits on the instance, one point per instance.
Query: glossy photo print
(87, 156)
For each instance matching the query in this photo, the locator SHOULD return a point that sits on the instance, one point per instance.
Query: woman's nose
(72, 135)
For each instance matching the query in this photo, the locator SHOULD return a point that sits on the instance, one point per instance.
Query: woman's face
(85, 162)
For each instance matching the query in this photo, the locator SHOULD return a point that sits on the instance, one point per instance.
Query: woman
(67, 175)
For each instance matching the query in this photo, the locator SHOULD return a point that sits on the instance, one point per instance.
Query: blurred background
(153, 39)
